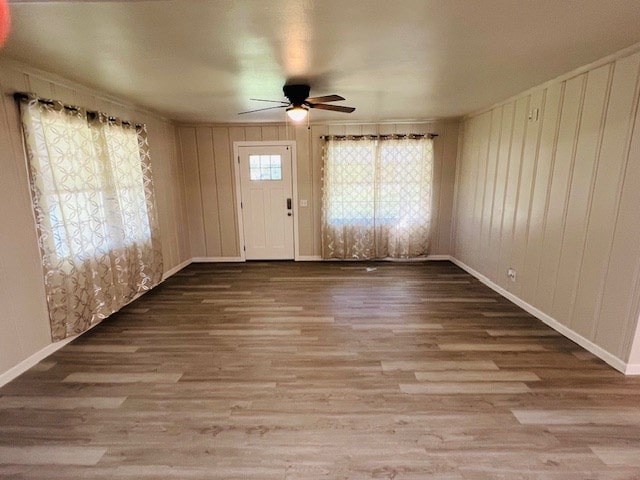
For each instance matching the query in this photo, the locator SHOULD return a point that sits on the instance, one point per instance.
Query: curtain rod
(92, 114)
(391, 136)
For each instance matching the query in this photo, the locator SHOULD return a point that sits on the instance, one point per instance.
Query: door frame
(294, 180)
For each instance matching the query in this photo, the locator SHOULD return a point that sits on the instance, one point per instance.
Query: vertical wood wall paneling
(502, 172)
(528, 169)
(316, 202)
(549, 118)
(189, 151)
(436, 192)
(387, 129)
(471, 246)
(283, 132)
(461, 194)
(606, 213)
(551, 246)
(184, 244)
(569, 204)
(162, 185)
(210, 181)
(626, 240)
(253, 134)
(235, 134)
(64, 94)
(447, 178)
(490, 183)
(305, 189)
(226, 189)
(209, 191)
(464, 247)
(481, 180)
(40, 86)
(582, 177)
(269, 132)
(179, 223)
(516, 152)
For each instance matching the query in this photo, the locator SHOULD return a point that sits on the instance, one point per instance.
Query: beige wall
(207, 152)
(558, 199)
(24, 327)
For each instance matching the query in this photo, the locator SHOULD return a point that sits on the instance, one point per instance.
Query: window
(95, 211)
(265, 167)
(79, 190)
(377, 197)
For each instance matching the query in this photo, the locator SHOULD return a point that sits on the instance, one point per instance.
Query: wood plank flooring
(303, 371)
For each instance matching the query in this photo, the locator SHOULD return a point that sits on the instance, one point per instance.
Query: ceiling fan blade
(326, 98)
(334, 108)
(271, 101)
(263, 109)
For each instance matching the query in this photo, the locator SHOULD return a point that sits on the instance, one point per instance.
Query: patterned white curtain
(95, 212)
(376, 198)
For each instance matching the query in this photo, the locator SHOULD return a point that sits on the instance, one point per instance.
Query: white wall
(24, 324)
(558, 199)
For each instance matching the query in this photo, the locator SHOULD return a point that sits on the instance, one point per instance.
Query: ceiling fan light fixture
(297, 113)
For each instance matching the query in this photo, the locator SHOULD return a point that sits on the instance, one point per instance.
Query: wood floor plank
(299, 319)
(619, 455)
(102, 348)
(478, 376)
(321, 370)
(522, 332)
(100, 377)
(43, 366)
(449, 388)
(397, 327)
(264, 332)
(264, 309)
(60, 403)
(438, 365)
(474, 300)
(492, 347)
(50, 455)
(578, 417)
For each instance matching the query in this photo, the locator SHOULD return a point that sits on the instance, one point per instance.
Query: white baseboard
(176, 269)
(29, 362)
(615, 362)
(309, 258)
(585, 343)
(428, 258)
(216, 259)
(40, 355)
(439, 257)
(632, 369)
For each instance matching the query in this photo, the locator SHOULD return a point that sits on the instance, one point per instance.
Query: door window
(265, 167)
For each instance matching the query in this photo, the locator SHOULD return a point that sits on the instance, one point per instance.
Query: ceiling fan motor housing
(296, 94)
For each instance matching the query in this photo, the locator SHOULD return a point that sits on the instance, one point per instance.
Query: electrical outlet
(304, 203)
(511, 274)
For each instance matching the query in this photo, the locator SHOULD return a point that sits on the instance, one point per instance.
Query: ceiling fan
(300, 102)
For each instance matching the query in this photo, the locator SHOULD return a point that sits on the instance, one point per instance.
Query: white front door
(267, 201)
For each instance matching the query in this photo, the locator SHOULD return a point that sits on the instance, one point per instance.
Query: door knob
(289, 203)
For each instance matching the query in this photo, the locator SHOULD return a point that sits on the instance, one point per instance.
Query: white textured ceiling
(201, 60)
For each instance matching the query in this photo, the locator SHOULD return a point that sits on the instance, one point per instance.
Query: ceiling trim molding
(442, 121)
(625, 52)
(100, 95)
